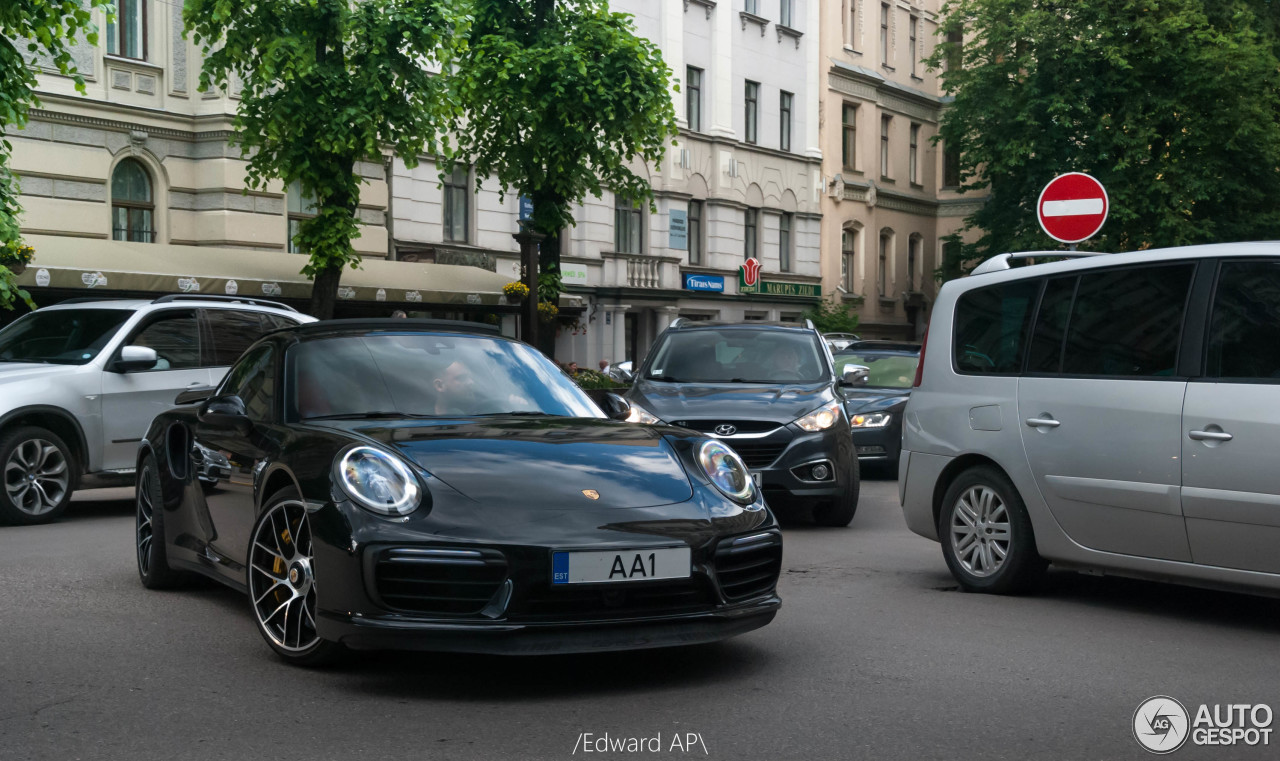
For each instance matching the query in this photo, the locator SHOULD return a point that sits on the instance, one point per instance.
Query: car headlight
(725, 469)
(822, 418)
(641, 415)
(378, 481)
(870, 420)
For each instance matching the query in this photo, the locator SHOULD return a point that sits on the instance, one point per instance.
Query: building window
(913, 156)
(913, 260)
(627, 237)
(127, 35)
(752, 112)
(886, 244)
(784, 120)
(750, 234)
(301, 206)
(784, 13)
(912, 44)
(848, 241)
(752, 6)
(132, 204)
(695, 232)
(851, 24)
(885, 121)
(786, 224)
(693, 97)
(884, 33)
(955, 50)
(950, 167)
(849, 146)
(457, 226)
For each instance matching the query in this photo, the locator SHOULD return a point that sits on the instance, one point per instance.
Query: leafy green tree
(326, 84)
(832, 316)
(558, 99)
(29, 28)
(1172, 104)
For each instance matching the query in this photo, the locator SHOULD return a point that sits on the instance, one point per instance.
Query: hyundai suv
(80, 382)
(769, 391)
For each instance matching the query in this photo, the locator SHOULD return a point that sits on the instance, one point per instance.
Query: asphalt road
(874, 656)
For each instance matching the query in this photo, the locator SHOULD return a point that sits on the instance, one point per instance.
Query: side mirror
(226, 412)
(134, 358)
(615, 407)
(854, 375)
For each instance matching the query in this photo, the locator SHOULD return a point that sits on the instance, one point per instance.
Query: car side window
(1244, 329)
(253, 379)
(231, 331)
(1051, 325)
(175, 336)
(1127, 322)
(991, 327)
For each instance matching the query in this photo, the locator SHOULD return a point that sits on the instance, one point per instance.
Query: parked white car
(81, 381)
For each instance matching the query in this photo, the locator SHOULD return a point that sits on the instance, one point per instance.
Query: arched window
(915, 245)
(848, 260)
(132, 204)
(301, 206)
(886, 261)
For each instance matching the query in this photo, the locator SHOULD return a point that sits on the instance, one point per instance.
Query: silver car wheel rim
(281, 579)
(145, 510)
(36, 476)
(980, 535)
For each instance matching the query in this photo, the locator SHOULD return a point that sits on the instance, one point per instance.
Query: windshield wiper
(665, 378)
(518, 413)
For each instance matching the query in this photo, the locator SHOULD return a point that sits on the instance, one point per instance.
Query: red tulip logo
(751, 272)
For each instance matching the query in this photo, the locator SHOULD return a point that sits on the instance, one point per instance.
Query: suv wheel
(38, 469)
(986, 534)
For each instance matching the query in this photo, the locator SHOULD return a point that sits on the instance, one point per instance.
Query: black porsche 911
(409, 484)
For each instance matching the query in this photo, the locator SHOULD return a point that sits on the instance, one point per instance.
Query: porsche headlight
(641, 415)
(870, 420)
(726, 470)
(378, 481)
(822, 418)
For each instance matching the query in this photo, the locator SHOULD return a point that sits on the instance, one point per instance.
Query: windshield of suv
(428, 374)
(60, 336)
(888, 369)
(738, 355)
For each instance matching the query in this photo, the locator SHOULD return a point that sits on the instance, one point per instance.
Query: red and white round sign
(1072, 207)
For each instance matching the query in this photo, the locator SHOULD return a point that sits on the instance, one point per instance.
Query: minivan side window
(1127, 322)
(991, 327)
(1244, 329)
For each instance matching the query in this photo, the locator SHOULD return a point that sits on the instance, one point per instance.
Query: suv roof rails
(88, 299)
(1000, 262)
(359, 324)
(809, 324)
(677, 322)
(168, 297)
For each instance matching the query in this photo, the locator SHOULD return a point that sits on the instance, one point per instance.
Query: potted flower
(16, 255)
(515, 292)
(547, 312)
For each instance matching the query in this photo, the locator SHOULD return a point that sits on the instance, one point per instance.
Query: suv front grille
(756, 453)
(748, 566)
(619, 600)
(442, 582)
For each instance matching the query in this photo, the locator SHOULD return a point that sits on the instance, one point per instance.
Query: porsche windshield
(60, 336)
(428, 374)
(738, 355)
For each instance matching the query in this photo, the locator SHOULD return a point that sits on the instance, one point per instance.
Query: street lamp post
(529, 240)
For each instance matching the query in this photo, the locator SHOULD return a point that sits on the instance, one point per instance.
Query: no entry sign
(1072, 207)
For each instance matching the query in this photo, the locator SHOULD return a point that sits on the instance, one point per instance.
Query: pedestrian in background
(604, 366)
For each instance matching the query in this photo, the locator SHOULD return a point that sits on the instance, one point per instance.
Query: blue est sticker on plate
(560, 568)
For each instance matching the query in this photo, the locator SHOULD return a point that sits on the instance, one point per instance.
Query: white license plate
(620, 565)
(758, 478)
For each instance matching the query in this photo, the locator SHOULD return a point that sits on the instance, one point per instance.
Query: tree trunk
(324, 292)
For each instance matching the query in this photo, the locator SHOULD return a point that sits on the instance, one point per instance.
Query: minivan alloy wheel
(980, 531)
(36, 476)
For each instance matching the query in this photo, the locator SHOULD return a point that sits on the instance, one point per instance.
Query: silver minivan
(1115, 413)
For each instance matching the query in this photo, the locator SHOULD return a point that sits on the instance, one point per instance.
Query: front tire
(839, 510)
(282, 594)
(153, 558)
(38, 470)
(986, 534)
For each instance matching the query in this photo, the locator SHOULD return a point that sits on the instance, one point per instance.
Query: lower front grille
(748, 566)
(756, 454)
(441, 582)
(619, 600)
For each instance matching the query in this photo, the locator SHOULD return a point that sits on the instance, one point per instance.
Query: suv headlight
(641, 415)
(378, 481)
(822, 418)
(724, 468)
(870, 420)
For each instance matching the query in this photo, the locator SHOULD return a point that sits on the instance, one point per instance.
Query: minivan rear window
(991, 327)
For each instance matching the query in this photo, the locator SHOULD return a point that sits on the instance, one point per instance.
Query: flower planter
(17, 268)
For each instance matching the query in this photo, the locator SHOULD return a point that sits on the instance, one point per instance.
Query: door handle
(1209, 436)
(1043, 422)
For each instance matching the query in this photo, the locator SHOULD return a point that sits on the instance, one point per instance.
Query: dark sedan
(875, 408)
(417, 485)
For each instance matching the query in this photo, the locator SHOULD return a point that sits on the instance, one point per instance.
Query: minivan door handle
(1043, 422)
(1209, 436)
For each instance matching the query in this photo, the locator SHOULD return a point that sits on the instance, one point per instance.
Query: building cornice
(717, 140)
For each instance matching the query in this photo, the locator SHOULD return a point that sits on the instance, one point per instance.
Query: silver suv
(81, 381)
(1118, 413)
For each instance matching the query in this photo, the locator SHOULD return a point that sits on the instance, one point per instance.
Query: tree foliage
(559, 99)
(832, 316)
(326, 84)
(29, 28)
(1172, 104)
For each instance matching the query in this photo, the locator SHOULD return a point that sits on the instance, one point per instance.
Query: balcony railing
(643, 271)
(133, 236)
